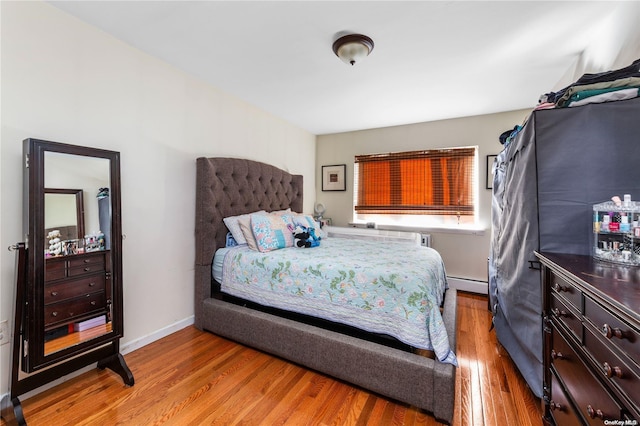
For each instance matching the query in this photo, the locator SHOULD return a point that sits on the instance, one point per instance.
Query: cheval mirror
(69, 292)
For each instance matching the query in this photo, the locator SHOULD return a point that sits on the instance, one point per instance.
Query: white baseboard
(465, 284)
(124, 349)
(127, 347)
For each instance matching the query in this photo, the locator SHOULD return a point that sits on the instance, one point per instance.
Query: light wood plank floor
(196, 378)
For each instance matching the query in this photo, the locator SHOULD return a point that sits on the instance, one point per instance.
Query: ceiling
(432, 59)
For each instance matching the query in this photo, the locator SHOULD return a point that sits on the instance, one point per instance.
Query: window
(433, 182)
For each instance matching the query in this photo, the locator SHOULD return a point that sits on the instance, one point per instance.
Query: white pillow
(305, 220)
(234, 226)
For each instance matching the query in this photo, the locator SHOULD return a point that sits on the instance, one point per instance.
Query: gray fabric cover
(546, 182)
(104, 217)
(228, 187)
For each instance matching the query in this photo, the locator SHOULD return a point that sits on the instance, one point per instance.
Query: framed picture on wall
(333, 178)
(490, 160)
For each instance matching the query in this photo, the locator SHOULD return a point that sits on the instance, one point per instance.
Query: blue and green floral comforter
(389, 288)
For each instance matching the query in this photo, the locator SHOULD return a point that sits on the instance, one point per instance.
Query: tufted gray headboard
(230, 187)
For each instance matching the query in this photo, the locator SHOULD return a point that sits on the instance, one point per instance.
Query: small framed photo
(490, 160)
(333, 178)
(70, 247)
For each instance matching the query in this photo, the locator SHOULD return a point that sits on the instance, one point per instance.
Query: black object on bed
(229, 187)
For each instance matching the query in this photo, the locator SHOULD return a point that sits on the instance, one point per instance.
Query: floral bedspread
(389, 288)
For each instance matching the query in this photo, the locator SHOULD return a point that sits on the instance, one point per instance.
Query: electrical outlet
(4, 332)
(425, 240)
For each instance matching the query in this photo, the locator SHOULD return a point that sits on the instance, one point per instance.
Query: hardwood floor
(195, 378)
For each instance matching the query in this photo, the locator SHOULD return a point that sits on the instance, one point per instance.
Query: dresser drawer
(73, 266)
(94, 260)
(88, 269)
(86, 265)
(54, 269)
(614, 368)
(564, 288)
(561, 409)
(73, 288)
(69, 310)
(615, 331)
(566, 316)
(593, 402)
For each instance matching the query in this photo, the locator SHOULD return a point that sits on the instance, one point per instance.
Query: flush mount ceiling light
(352, 48)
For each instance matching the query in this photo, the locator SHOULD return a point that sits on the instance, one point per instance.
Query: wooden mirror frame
(34, 357)
(28, 354)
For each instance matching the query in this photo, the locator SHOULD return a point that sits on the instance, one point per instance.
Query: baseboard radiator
(414, 238)
(465, 284)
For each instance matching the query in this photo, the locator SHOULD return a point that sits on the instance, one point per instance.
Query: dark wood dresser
(76, 288)
(591, 341)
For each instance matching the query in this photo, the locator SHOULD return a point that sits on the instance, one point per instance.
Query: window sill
(465, 230)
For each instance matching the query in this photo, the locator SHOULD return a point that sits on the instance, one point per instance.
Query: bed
(229, 187)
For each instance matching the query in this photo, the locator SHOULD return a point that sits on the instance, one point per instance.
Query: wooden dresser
(591, 341)
(76, 288)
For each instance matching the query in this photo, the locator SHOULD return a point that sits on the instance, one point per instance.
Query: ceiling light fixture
(352, 48)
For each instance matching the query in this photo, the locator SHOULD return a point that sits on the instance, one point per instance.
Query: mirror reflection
(64, 212)
(77, 294)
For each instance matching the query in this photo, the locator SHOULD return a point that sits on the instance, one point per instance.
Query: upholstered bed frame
(229, 187)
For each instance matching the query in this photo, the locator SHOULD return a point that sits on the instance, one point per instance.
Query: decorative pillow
(304, 220)
(288, 220)
(245, 226)
(271, 232)
(234, 227)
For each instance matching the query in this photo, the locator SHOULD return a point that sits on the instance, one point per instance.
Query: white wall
(65, 81)
(465, 254)
(615, 44)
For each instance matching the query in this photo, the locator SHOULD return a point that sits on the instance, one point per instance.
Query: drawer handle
(92, 284)
(86, 261)
(54, 314)
(555, 406)
(609, 332)
(93, 303)
(593, 413)
(70, 314)
(87, 269)
(557, 287)
(54, 293)
(556, 355)
(610, 371)
(557, 312)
